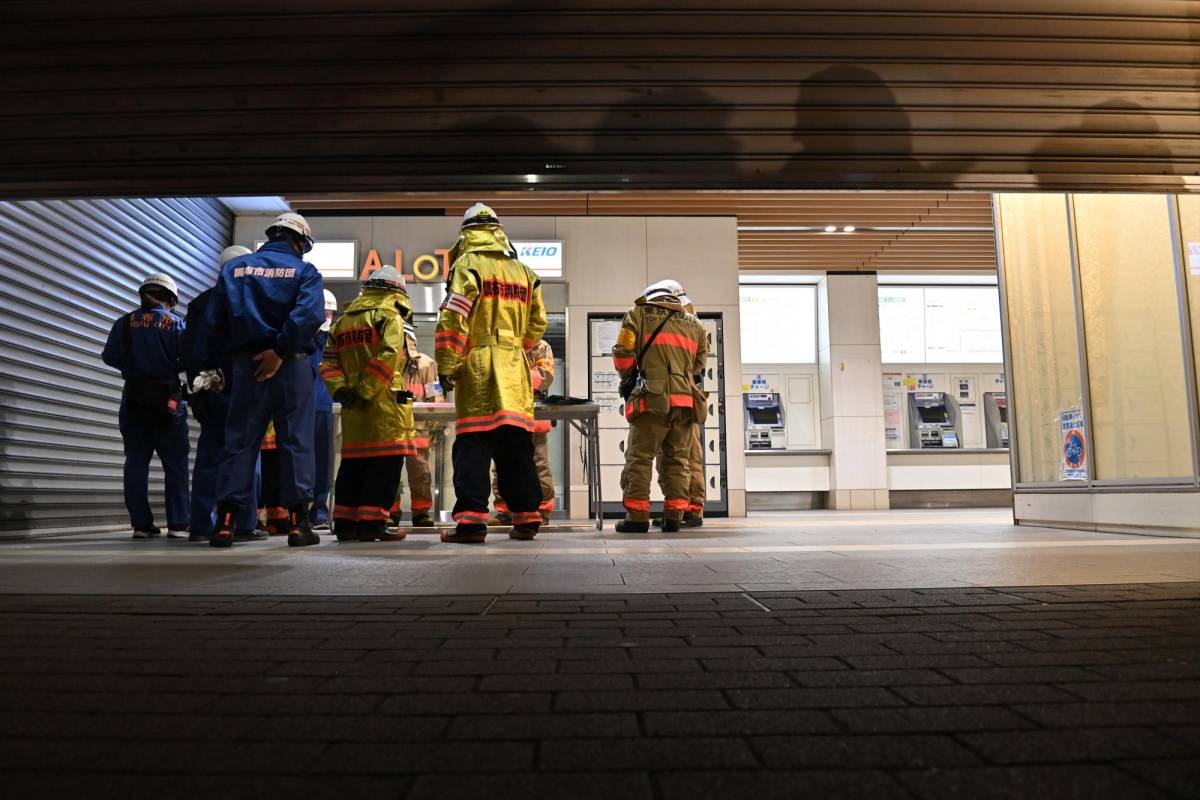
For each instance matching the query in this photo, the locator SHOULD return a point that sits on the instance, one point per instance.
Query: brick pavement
(1084, 691)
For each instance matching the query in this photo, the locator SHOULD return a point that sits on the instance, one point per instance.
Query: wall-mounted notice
(893, 410)
(1193, 254)
(1074, 444)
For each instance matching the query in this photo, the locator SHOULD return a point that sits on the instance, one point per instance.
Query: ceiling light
(830, 228)
(848, 229)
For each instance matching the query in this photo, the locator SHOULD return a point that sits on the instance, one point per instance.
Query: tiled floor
(1088, 692)
(818, 550)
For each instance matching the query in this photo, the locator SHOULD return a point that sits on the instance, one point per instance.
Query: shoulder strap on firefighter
(642, 350)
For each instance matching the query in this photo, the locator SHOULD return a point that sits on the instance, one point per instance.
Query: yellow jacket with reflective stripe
(364, 353)
(492, 314)
(669, 365)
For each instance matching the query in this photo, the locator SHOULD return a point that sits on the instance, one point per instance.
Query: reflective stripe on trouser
(648, 434)
(420, 483)
(144, 435)
(696, 493)
(365, 488)
(512, 450)
(204, 471)
(287, 398)
(541, 464)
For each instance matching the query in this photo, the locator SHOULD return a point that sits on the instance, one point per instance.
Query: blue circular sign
(1074, 450)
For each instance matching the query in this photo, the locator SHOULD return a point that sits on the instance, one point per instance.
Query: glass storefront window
(1139, 422)
(1189, 230)
(1041, 327)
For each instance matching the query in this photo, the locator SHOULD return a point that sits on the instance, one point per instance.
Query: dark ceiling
(229, 97)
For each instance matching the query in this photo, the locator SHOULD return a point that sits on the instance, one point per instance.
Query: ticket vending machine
(932, 421)
(764, 421)
(995, 418)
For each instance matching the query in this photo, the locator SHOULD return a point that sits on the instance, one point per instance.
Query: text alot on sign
(426, 268)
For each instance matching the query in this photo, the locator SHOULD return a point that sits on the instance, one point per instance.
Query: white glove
(209, 379)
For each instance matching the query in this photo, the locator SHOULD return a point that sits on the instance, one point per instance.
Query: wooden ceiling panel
(777, 231)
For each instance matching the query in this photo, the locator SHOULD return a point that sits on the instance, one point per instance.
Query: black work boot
(670, 525)
(345, 530)
(223, 535)
(693, 519)
(300, 532)
(523, 533)
(629, 526)
(422, 519)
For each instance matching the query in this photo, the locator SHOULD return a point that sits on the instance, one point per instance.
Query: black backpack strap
(642, 351)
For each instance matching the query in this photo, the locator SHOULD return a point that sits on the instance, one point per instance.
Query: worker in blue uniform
(323, 423)
(209, 402)
(265, 313)
(145, 345)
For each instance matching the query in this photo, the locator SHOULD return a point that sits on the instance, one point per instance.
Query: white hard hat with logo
(386, 277)
(479, 214)
(160, 280)
(233, 251)
(295, 223)
(331, 303)
(668, 290)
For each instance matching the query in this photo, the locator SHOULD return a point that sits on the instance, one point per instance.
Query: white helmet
(296, 224)
(162, 281)
(410, 331)
(331, 303)
(233, 251)
(668, 290)
(479, 214)
(386, 277)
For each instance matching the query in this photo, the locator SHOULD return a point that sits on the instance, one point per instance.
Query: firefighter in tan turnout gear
(364, 353)
(492, 315)
(693, 516)
(420, 379)
(660, 353)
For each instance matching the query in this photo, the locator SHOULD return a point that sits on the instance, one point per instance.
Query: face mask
(326, 325)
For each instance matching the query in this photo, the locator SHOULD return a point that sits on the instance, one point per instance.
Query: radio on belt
(932, 421)
(764, 421)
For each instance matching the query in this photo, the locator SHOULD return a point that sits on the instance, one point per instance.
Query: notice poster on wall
(1193, 255)
(893, 410)
(1074, 444)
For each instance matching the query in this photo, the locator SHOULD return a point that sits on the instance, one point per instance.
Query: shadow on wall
(850, 129)
(1118, 135)
(14, 515)
(679, 130)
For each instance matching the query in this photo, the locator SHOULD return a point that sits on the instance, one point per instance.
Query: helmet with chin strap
(386, 277)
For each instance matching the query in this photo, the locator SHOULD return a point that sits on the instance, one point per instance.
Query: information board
(940, 325)
(779, 324)
(902, 324)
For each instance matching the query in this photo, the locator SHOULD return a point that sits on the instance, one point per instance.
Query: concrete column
(851, 395)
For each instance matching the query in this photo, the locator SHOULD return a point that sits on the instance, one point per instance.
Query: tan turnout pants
(650, 435)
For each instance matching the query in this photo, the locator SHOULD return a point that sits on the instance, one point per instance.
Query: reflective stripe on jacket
(365, 352)
(492, 314)
(671, 363)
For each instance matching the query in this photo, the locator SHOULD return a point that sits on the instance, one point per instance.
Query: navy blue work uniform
(322, 437)
(268, 300)
(146, 346)
(210, 409)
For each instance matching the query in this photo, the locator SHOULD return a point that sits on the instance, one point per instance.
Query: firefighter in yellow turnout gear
(365, 352)
(660, 352)
(541, 376)
(491, 316)
(419, 378)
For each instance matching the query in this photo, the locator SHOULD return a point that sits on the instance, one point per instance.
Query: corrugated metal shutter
(231, 97)
(68, 269)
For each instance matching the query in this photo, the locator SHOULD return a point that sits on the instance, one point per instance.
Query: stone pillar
(851, 394)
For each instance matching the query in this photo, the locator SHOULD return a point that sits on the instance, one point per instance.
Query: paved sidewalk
(1059, 691)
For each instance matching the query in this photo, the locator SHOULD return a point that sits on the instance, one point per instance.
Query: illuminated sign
(333, 259)
(544, 258)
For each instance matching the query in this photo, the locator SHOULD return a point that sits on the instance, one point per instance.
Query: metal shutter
(68, 269)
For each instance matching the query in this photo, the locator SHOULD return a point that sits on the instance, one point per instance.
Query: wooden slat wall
(905, 231)
(229, 97)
